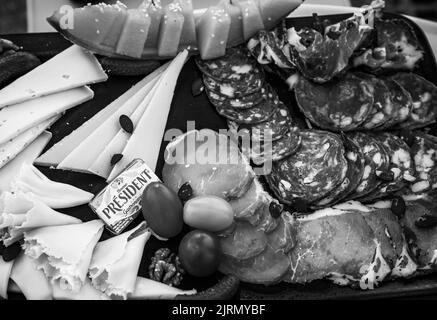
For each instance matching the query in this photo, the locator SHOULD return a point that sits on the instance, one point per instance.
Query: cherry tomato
(162, 210)
(199, 252)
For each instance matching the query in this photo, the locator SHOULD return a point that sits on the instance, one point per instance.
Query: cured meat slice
(264, 151)
(424, 154)
(266, 268)
(242, 102)
(401, 165)
(421, 241)
(312, 172)
(282, 239)
(259, 113)
(424, 97)
(227, 175)
(376, 161)
(355, 168)
(245, 207)
(401, 104)
(278, 125)
(237, 65)
(244, 243)
(234, 89)
(396, 47)
(340, 105)
(382, 108)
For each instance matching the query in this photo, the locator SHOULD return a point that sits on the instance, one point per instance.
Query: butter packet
(120, 202)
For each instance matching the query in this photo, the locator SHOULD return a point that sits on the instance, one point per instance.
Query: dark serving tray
(186, 107)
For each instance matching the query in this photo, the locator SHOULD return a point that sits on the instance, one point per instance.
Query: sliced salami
(376, 162)
(277, 126)
(355, 165)
(237, 65)
(259, 113)
(243, 102)
(424, 99)
(312, 172)
(340, 105)
(424, 154)
(382, 108)
(234, 89)
(262, 151)
(401, 167)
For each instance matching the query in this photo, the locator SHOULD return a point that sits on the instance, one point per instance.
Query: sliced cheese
(70, 69)
(9, 172)
(102, 166)
(145, 142)
(60, 150)
(10, 149)
(83, 156)
(20, 117)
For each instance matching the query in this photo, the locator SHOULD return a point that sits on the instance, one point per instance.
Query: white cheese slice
(63, 148)
(20, 117)
(102, 166)
(145, 142)
(70, 69)
(83, 156)
(10, 149)
(9, 172)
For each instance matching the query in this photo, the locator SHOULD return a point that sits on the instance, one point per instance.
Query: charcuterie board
(186, 107)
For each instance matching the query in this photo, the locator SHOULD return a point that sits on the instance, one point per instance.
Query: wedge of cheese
(70, 69)
(18, 118)
(10, 149)
(9, 172)
(84, 155)
(145, 142)
(63, 148)
(102, 166)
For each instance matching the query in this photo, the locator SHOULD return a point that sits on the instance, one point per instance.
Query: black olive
(116, 158)
(197, 87)
(398, 207)
(426, 221)
(185, 192)
(275, 209)
(2, 248)
(11, 252)
(387, 176)
(126, 124)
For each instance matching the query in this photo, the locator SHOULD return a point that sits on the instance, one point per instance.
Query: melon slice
(188, 36)
(94, 22)
(114, 32)
(213, 32)
(155, 12)
(252, 19)
(134, 34)
(170, 30)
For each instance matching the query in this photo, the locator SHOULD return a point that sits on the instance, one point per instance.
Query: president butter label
(120, 202)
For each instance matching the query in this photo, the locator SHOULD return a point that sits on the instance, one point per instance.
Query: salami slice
(376, 161)
(424, 99)
(355, 165)
(382, 108)
(401, 104)
(234, 89)
(312, 172)
(278, 125)
(259, 113)
(401, 167)
(263, 151)
(424, 154)
(243, 102)
(340, 105)
(237, 65)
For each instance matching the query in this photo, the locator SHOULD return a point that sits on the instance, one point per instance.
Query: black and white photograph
(223, 157)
